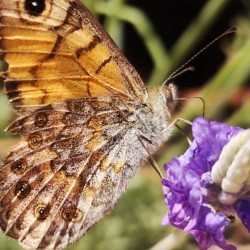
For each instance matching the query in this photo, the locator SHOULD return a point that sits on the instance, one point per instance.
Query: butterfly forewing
(60, 52)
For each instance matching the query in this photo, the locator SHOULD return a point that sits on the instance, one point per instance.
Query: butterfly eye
(41, 120)
(22, 189)
(19, 166)
(72, 214)
(41, 211)
(35, 141)
(34, 7)
(170, 95)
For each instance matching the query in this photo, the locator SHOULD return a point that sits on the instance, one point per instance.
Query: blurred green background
(158, 37)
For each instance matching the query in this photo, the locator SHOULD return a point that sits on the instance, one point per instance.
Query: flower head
(190, 192)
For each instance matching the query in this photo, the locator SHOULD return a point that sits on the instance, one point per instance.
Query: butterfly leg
(151, 159)
(174, 123)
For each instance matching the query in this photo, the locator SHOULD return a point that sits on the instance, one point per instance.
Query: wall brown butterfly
(85, 116)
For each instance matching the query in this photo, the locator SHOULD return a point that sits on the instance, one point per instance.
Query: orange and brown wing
(57, 50)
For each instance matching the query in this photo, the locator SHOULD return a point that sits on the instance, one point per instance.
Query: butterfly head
(163, 102)
(169, 95)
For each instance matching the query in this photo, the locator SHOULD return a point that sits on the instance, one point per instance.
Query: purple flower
(189, 190)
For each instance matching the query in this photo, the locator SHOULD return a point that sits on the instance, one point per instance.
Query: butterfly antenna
(180, 70)
(177, 73)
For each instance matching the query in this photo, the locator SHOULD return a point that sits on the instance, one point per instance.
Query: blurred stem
(4, 114)
(90, 4)
(172, 241)
(113, 25)
(144, 28)
(195, 32)
(218, 90)
(239, 117)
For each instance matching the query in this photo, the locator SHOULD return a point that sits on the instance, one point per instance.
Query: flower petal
(189, 176)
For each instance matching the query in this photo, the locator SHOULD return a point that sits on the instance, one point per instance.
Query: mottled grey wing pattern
(72, 165)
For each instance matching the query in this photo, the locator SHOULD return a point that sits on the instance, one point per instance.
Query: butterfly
(87, 122)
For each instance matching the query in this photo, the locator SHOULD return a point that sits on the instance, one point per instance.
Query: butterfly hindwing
(68, 172)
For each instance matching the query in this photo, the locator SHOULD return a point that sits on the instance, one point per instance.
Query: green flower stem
(113, 25)
(218, 90)
(241, 117)
(5, 113)
(173, 241)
